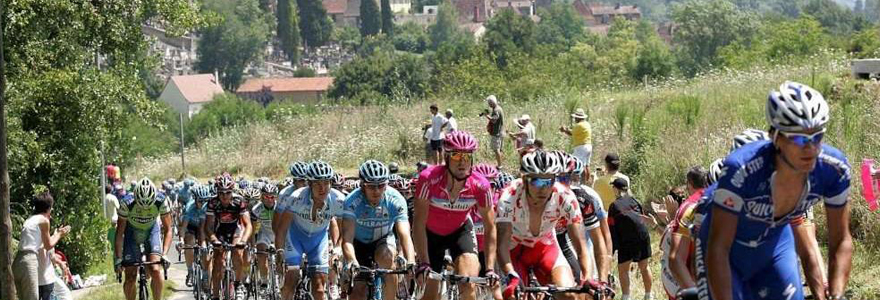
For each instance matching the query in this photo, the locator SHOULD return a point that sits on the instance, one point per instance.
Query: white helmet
(541, 163)
(748, 136)
(796, 107)
(715, 171)
(145, 192)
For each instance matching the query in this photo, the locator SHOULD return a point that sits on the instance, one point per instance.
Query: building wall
(194, 109)
(174, 98)
(302, 97)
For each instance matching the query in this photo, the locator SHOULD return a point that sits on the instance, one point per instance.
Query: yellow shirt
(603, 187)
(581, 134)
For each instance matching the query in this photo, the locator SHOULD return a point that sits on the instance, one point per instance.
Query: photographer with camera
(495, 127)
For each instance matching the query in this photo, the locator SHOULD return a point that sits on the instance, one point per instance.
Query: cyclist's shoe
(189, 281)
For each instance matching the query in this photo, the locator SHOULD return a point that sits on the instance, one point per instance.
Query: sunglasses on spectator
(542, 182)
(802, 139)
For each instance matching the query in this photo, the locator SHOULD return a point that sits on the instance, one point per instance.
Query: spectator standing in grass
(602, 185)
(581, 137)
(451, 123)
(495, 127)
(438, 123)
(525, 137)
(630, 237)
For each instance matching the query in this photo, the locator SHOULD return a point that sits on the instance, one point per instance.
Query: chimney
(476, 14)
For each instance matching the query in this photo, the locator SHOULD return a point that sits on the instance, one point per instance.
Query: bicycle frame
(226, 286)
(375, 279)
(143, 289)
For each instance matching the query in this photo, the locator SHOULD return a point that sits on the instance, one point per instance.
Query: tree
(61, 106)
(445, 29)
(226, 110)
(314, 24)
(560, 26)
(233, 43)
(410, 37)
(703, 27)
(288, 31)
(655, 61)
(370, 18)
(508, 34)
(8, 285)
(387, 18)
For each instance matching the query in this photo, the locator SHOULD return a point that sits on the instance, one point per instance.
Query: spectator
(581, 137)
(525, 138)
(111, 204)
(438, 122)
(393, 168)
(452, 124)
(602, 185)
(680, 255)
(429, 152)
(32, 267)
(630, 237)
(61, 291)
(495, 127)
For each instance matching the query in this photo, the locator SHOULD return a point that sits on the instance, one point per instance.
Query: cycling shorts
(366, 252)
(265, 237)
(541, 259)
(314, 246)
(194, 229)
(459, 242)
(770, 271)
(228, 234)
(136, 244)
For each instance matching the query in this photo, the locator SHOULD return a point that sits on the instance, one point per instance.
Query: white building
(187, 93)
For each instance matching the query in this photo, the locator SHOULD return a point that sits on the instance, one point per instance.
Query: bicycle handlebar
(163, 262)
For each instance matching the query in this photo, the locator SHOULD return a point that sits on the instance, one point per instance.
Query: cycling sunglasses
(802, 139)
(542, 182)
(565, 179)
(376, 186)
(224, 192)
(459, 156)
(270, 197)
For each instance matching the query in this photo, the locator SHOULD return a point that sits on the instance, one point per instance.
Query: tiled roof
(197, 88)
(334, 7)
(291, 84)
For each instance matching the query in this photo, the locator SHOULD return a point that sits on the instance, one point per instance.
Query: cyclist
(299, 173)
(373, 215)
(490, 173)
(401, 184)
(262, 215)
(137, 235)
(445, 194)
(744, 247)
(589, 203)
(677, 242)
(601, 246)
(227, 221)
(193, 218)
(304, 220)
(528, 211)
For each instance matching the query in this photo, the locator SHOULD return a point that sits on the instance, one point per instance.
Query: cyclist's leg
(157, 280)
(238, 262)
(437, 245)
(219, 264)
(554, 266)
(464, 254)
(293, 259)
(318, 256)
(188, 241)
(131, 253)
(385, 252)
(365, 255)
(262, 263)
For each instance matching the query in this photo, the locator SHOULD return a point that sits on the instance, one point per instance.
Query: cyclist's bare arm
(402, 229)
(420, 219)
(600, 252)
(722, 232)
(804, 237)
(181, 233)
(167, 233)
(348, 227)
(245, 220)
(576, 234)
(678, 260)
(335, 236)
(283, 226)
(121, 224)
(840, 248)
(504, 236)
(209, 229)
(489, 234)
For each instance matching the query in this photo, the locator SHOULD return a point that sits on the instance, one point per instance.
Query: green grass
(660, 131)
(114, 291)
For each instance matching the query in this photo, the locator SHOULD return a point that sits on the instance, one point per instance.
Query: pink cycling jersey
(513, 208)
(479, 230)
(445, 216)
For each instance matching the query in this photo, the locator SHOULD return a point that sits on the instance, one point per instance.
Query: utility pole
(182, 145)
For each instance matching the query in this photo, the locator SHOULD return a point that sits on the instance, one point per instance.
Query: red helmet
(224, 183)
(486, 170)
(460, 141)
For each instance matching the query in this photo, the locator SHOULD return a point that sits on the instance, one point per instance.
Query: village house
(188, 93)
(307, 90)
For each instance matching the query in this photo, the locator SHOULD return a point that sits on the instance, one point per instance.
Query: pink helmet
(460, 141)
(486, 170)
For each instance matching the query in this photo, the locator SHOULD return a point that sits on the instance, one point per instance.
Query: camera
(485, 112)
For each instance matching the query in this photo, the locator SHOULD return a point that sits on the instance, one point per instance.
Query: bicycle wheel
(253, 283)
(143, 294)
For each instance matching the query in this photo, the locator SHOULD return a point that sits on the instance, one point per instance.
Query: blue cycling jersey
(299, 202)
(762, 240)
(185, 195)
(195, 214)
(374, 222)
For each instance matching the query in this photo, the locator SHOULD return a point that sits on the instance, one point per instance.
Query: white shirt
(452, 125)
(437, 121)
(513, 208)
(111, 204)
(429, 133)
(529, 129)
(32, 241)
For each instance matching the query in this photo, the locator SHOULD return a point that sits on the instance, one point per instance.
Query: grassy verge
(114, 291)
